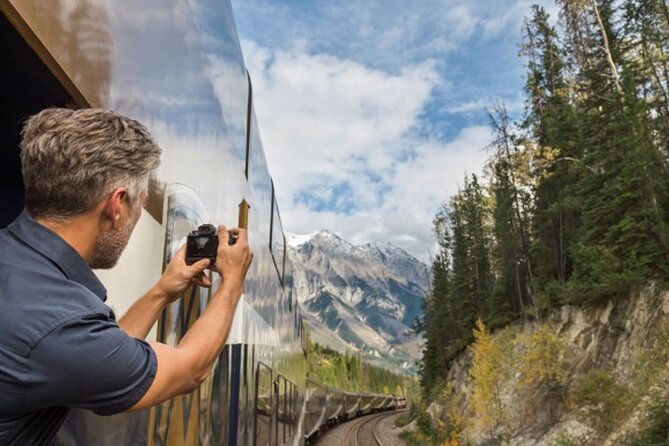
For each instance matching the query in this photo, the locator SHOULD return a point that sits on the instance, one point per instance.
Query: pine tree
(438, 323)
(511, 180)
(509, 298)
(551, 123)
(623, 239)
(646, 27)
(478, 241)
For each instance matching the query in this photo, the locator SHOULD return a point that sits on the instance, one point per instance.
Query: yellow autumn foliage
(453, 441)
(542, 360)
(488, 372)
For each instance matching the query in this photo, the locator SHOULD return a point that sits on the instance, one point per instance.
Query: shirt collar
(53, 247)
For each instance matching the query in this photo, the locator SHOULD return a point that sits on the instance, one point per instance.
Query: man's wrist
(232, 287)
(159, 293)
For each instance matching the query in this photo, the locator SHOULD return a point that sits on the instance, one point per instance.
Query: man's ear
(113, 210)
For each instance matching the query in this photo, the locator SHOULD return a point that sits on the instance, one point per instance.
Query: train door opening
(27, 86)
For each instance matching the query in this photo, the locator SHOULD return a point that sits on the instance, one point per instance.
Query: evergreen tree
(509, 298)
(623, 237)
(551, 123)
(441, 331)
(511, 181)
(478, 241)
(646, 30)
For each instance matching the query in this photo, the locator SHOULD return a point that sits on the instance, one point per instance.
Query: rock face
(359, 297)
(612, 339)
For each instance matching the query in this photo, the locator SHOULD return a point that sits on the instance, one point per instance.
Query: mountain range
(359, 297)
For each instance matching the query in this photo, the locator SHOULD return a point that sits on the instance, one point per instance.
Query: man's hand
(178, 276)
(233, 261)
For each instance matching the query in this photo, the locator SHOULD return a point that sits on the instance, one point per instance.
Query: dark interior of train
(27, 86)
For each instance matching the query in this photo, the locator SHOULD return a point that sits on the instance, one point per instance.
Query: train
(177, 66)
(328, 406)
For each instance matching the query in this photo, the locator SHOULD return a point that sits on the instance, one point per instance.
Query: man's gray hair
(72, 159)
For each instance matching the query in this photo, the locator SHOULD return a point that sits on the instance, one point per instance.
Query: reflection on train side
(188, 417)
(264, 405)
(285, 393)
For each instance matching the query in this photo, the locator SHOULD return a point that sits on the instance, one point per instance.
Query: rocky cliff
(580, 377)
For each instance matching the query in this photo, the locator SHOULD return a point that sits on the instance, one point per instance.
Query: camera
(203, 244)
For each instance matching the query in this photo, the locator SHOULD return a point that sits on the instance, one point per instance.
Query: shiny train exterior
(177, 67)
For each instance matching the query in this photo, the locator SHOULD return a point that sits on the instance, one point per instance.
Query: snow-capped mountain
(359, 297)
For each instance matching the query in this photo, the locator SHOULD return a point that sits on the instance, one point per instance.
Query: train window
(28, 86)
(280, 389)
(275, 412)
(291, 409)
(264, 392)
(249, 114)
(277, 244)
(259, 180)
(286, 414)
(288, 278)
(234, 391)
(283, 263)
(219, 409)
(295, 407)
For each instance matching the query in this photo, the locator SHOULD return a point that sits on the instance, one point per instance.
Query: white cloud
(477, 106)
(326, 118)
(327, 122)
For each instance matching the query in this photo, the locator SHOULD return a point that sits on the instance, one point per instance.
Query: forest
(348, 371)
(573, 204)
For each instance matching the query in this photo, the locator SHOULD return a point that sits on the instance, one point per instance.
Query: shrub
(433, 432)
(601, 401)
(541, 378)
(542, 363)
(652, 361)
(657, 432)
(564, 439)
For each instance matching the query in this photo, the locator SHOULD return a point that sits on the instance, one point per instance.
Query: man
(85, 175)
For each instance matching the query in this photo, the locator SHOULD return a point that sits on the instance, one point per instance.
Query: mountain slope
(359, 297)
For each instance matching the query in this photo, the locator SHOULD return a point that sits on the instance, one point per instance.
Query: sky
(372, 112)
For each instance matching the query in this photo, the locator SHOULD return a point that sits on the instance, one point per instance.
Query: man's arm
(141, 316)
(183, 368)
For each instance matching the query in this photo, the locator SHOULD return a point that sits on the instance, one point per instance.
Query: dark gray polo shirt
(60, 345)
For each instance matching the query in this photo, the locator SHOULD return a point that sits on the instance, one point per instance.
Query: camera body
(203, 244)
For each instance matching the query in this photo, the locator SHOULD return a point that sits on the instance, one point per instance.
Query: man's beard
(109, 246)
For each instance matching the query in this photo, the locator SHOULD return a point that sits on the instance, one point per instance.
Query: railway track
(363, 431)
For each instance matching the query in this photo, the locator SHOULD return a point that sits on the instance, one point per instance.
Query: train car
(365, 407)
(315, 409)
(335, 405)
(380, 402)
(177, 67)
(352, 405)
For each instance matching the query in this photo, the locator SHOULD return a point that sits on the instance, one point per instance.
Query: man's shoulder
(37, 297)
(9, 245)
(16, 255)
